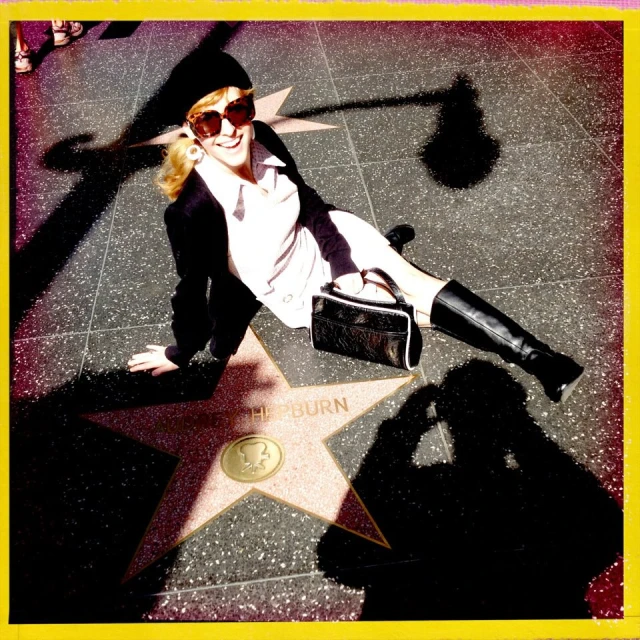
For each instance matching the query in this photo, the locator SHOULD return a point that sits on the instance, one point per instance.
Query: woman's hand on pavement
(153, 360)
(350, 283)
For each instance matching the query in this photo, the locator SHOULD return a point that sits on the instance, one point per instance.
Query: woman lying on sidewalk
(243, 217)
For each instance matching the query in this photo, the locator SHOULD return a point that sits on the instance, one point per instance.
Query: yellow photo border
(629, 627)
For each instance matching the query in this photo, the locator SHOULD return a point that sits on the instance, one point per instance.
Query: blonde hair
(176, 166)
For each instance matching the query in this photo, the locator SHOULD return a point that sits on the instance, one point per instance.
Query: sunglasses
(207, 124)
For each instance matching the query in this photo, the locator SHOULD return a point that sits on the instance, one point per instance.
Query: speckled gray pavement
(496, 502)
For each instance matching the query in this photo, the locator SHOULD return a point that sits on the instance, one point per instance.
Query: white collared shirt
(277, 258)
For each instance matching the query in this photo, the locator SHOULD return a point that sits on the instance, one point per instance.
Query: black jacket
(198, 235)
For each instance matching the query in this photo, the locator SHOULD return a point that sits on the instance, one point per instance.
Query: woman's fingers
(142, 366)
(153, 360)
(143, 355)
(141, 358)
(143, 361)
(155, 351)
(165, 368)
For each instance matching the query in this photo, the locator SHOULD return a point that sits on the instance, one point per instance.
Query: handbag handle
(386, 278)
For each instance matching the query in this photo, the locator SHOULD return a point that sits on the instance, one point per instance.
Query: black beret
(201, 72)
(217, 71)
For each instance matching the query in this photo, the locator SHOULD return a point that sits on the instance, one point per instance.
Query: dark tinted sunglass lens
(208, 124)
(239, 112)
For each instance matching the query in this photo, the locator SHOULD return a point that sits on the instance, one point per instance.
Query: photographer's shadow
(512, 528)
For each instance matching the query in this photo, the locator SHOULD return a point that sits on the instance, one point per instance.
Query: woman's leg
(458, 312)
(22, 55)
(64, 31)
(60, 32)
(21, 43)
(419, 288)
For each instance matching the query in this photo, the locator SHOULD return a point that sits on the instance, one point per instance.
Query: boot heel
(568, 388)
(559, 374)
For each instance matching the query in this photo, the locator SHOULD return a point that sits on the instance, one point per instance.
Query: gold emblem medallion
(252, 458)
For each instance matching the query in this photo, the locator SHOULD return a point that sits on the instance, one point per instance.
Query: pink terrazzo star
(267, 110)
(252, 397)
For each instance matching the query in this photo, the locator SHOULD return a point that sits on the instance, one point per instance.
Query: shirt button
(287, 298)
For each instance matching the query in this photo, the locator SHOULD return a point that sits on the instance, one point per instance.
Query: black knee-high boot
(462, 314)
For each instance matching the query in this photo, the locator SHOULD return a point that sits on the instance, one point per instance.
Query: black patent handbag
(373, 330)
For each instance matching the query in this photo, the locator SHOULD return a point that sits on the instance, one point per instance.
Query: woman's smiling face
(231, 147)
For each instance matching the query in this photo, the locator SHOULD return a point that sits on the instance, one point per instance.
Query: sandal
(75, 29)
(22, 61)
(62, 33)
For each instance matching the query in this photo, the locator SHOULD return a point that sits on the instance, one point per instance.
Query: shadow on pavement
(513, 528)
(101, 172)
(83, 495)
(460, 154)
